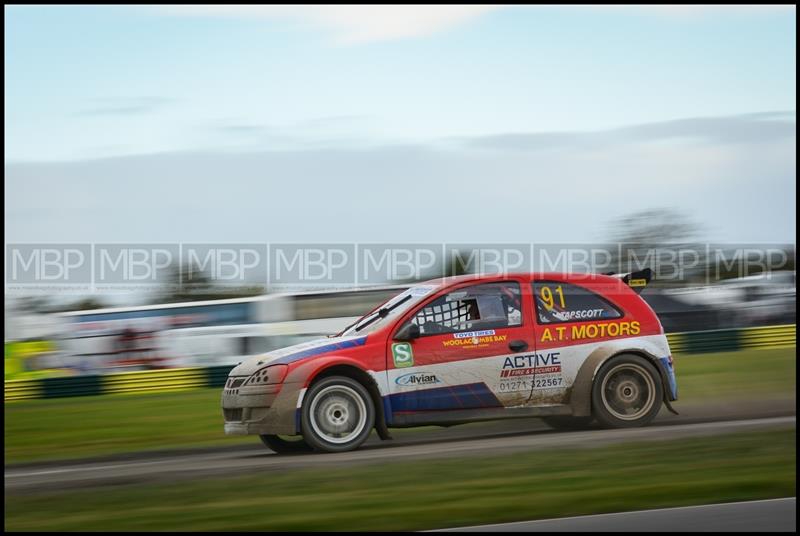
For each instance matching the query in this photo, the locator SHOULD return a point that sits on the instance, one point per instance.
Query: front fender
(305, 373)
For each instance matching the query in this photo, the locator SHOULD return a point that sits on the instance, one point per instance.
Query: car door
(570, 321)
(465, 336)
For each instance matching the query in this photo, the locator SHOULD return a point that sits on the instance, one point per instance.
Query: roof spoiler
(636, 280)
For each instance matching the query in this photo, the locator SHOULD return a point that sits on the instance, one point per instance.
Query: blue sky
(271, 115)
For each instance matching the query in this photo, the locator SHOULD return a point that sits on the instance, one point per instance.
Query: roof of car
(526, 276)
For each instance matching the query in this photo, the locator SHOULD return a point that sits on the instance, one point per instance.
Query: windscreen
(395, 306)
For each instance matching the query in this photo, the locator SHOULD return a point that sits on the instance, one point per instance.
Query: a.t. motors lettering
(590, 330)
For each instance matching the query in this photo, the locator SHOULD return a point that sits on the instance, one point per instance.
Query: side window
(490, 305)
(564, 302)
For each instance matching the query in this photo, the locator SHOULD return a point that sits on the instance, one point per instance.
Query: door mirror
(408, 332)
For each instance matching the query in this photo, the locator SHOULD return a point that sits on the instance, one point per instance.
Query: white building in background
(22, 326)
(192, 334)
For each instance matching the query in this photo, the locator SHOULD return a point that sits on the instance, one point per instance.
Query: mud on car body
(569, 348)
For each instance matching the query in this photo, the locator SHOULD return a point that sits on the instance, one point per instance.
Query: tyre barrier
(23, 390)
(137, 382)
(726, 340)
(169, 380)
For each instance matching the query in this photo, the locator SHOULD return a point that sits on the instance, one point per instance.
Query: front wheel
(285, 444)
(337, 415)
(627, 392)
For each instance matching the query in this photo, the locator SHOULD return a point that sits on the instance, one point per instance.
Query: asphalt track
(773, 515)
(469, 440)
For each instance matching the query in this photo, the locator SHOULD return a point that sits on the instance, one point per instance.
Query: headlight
(268, 375)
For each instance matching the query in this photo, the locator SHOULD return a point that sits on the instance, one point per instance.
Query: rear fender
(581, 397)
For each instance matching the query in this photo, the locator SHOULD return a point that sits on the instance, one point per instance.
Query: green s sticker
(402, 355)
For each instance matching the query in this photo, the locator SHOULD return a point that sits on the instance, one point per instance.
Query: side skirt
(462, 416)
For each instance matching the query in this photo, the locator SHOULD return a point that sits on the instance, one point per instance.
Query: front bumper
(264, 409)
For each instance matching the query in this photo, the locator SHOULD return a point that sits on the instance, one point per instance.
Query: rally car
(568, 348)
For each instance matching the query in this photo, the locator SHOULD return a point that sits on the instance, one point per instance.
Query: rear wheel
(285, 444)
(563, 422)
(337, 414)
(627, 392)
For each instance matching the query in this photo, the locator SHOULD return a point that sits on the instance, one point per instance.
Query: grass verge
(69, 428)
(431, 494)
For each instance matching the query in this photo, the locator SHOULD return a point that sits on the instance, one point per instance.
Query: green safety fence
(166, 380)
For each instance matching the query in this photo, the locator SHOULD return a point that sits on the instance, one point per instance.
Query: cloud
(235, 125)
(125, 106)
(350, 23)
(366, 23)
(335, 120)
(697, 9)
(741, 192)
(240, 128)
(242, 134)
(747, 128)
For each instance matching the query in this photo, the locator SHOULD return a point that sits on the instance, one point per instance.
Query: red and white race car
(566, 347)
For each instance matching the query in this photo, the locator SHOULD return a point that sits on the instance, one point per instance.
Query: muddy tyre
(627, 392)
(337, 415)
